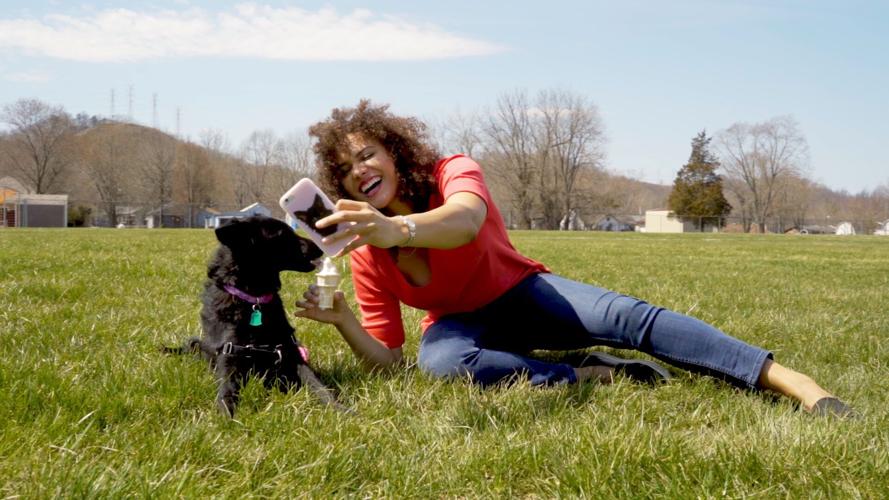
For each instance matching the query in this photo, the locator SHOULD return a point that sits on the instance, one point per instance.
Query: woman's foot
(812, 397)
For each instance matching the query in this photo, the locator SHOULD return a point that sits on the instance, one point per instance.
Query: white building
(845, 229)
(661, 221)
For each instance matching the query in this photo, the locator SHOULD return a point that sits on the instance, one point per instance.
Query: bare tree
(572, 140)
(108, 162)
(38, 146)
(159, 157)
(224, 167)
(882, 194)
(214, 141)
(259, 152)
(737, 194)
(512, 145)
(296, 161)
(462, 134)
(867, 209)
(195, 177)
(761, 156)
(794, 201)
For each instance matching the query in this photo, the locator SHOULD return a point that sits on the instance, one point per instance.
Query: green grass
(89, 408)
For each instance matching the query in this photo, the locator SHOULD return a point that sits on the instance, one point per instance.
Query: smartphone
(305, 204)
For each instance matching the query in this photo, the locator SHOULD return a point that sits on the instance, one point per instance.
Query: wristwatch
(411, 230)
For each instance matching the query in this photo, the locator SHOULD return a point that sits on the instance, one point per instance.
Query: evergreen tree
(697, 191)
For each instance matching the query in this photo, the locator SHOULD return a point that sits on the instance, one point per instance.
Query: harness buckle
(227, 348)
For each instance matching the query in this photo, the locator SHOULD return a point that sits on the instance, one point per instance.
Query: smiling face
(368, 172)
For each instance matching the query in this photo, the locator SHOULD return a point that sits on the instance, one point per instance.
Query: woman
(426, 233)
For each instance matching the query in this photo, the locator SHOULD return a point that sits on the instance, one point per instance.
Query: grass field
(89, 408)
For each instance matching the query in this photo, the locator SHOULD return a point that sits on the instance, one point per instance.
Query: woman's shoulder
(454, 165)
(455, 160)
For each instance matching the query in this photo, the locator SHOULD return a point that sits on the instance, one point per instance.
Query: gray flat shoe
(638, 370)
(832, 407)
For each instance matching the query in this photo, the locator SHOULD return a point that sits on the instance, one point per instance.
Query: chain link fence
(782, 225)
(664, 223)
(89, 213)
(86, 213)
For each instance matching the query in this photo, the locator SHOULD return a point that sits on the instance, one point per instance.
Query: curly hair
(404, 138)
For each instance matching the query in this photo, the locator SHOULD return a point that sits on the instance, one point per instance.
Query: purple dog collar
(262, 299)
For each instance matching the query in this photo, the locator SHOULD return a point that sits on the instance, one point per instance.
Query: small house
(19, 208)
(612, 223)
(248, 211)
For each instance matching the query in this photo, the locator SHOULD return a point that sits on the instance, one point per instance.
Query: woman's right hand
(309, 307)
(365, 226)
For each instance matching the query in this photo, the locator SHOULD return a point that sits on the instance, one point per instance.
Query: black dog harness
(251, 351)
(257, 351)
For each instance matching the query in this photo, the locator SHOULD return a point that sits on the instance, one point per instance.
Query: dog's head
(263, 243)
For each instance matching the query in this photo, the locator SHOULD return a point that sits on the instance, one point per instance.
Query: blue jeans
(549, 312)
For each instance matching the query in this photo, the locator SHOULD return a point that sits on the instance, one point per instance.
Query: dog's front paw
(227, 398)
(226, 405)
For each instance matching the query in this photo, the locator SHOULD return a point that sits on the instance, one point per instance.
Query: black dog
(245, 328)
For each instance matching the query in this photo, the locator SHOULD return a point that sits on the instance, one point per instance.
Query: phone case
(305, 204)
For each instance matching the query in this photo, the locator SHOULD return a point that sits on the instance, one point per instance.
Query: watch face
(411, 230)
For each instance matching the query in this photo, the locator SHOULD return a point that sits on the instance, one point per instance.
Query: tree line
(109, 166)
(544, 157)
(759, 173)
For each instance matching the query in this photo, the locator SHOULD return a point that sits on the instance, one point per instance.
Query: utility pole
(112, 104)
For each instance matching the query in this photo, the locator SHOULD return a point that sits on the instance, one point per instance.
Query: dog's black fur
(251, 254)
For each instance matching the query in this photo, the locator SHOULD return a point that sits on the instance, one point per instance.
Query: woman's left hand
(367, 226)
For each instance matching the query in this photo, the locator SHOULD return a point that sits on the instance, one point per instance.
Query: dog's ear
(234, 234)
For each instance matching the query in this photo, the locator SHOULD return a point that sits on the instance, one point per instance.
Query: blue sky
(658, 71)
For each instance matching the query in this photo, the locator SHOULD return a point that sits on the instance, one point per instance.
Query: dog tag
(256, 317)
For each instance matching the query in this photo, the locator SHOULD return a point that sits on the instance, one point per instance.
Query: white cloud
(249, 30)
